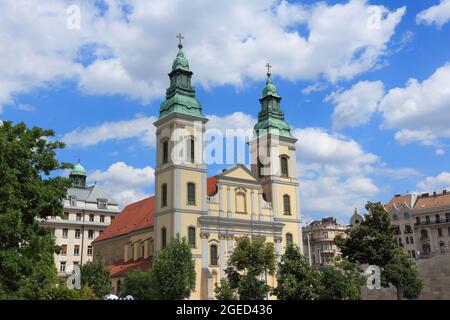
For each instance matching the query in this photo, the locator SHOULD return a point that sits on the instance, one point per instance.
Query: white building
(87, 212)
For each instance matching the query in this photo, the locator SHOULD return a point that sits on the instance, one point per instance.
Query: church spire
(180, 96)
(271, 117)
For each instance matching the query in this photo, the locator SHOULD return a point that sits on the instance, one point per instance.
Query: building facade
(422, 222)
(261, 201)
(87, 212)
(318, 241)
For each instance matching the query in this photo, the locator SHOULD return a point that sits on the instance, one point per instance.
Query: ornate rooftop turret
(78, 174)
(180, 96)
(271, 118)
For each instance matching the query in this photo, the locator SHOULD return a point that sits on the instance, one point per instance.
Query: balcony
(429, 223)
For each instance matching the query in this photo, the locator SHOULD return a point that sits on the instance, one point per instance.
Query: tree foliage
(27, 192)
(139, 284)
(95, 275)
(372, 242)
(173, 272)
(251, 260)
(296, 279)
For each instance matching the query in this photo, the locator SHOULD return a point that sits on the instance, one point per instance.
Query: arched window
(164, 195)
(163, 237)
(289, 240)
(191, 236)
(286, 205)
(191, 193)
(213, 255)
(191, 149)
(284, 166)
(165, 151)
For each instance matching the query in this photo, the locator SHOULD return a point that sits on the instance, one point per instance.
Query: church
(210, 212)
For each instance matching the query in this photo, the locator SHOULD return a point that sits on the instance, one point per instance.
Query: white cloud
(438, 14)
(124, 183)
(440, 152)
(334, 173)
(356, 105)
(317, 86)
(420, 110)
(226, 42)
(141, 128)
(439, 182)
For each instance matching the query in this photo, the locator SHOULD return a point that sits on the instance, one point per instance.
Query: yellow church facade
(210, 212)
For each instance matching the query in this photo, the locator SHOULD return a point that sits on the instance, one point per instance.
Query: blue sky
(366, 131)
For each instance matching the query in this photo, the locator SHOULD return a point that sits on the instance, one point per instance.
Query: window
(417, 220)
(191, 236)
(260, 168)
(102, 218)
(287, 205)
(77, 233)
(213, 254)
(78, 216)
(191, 149)
(64, 249)
(449, 231)
(395, 217)
(65, 233)
(76, 250)
(325, 235)
(102, 204)
(447, 217)
(438, 218)
(406, 216)
(411, 239)
(408, 229)
(165, 151)
(62, 266)
(427, 219)
(284, 166)
(289, 240)
(73, 201)
(90, 250)
(424, 234)
(66, 216)
(439, 232)
(163, 237)
(91, 218)
(407, 240)
(191, 193)
(91, 234)
(164, 195)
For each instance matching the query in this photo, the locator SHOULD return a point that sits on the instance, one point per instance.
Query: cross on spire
(268, 66)
(180, 37)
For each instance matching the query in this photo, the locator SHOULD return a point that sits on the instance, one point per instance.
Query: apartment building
(87, 212)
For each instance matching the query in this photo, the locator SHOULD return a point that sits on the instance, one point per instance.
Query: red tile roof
(212, 186)
(400, 201)
(140, 215)
(135, 216)
(121, 268)
(433, 201)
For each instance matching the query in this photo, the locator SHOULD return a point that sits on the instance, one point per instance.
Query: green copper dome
(180, 62)
(180, 96)
(271, 117)
(78, 170)
(270, 89)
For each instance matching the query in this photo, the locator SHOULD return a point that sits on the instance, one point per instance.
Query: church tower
(180, 175)
(273, 155)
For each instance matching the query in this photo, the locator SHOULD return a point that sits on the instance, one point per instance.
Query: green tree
(225, 291)
(251, 259)
(27, 193)
(372, 242)
(341, 282)
(402, 273)
(139, 284)
(95, 275)
(173, 272)
(296, 279)
(60, 291)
